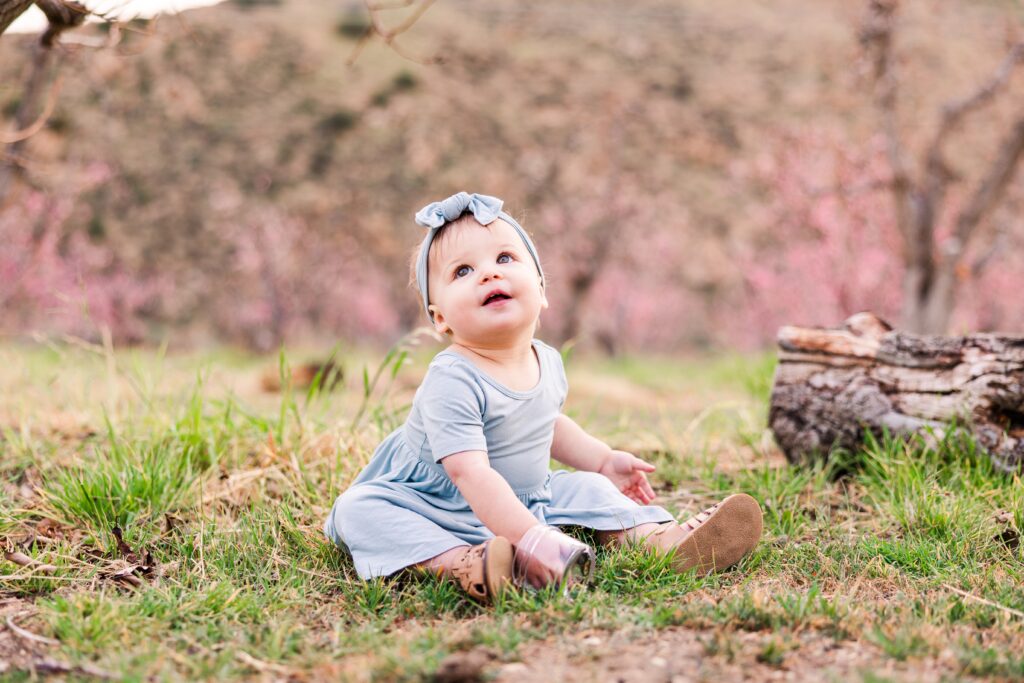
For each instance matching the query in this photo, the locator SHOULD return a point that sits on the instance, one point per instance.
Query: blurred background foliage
(695, 174)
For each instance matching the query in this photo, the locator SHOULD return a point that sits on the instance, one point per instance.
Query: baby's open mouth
(497, 296)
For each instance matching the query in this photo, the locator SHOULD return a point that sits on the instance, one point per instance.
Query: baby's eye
(462, 271)
(506, 256)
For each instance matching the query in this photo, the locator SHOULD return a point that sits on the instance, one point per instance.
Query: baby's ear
(439, 324)
(543, 298)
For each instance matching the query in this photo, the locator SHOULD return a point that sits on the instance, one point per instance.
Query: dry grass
(162, 516)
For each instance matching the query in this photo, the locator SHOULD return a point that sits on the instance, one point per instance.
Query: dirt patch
(16, 651)
(22, 649)
(678, 655)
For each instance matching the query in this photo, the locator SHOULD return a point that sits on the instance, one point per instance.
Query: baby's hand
(627, 472)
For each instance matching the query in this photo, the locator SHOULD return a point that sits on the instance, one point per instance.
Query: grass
(218, 492)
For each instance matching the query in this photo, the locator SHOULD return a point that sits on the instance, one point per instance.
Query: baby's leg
(443, 563)
(387, 526)
(635, 534)
(711, 540)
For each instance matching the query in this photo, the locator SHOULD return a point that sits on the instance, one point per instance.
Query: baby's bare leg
(632, 535)
(442, 564)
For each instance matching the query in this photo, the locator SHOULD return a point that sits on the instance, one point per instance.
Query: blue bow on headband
(485, 209)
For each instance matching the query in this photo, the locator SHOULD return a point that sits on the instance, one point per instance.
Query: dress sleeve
(452, 406)
(561, 380)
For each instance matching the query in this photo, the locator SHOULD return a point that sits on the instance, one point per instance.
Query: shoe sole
(731, 531)
(497, 565)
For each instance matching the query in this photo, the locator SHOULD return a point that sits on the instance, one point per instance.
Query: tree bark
(11, 10)
(833, 386)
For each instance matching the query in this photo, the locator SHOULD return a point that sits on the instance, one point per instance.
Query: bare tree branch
(931, 278)
(11, 10)
(937, 172)
(396, 4)
(388, 35)
(36, 126)
(992, 186)
(994, 248)
(110, 40)
(60, 15)
(363, 41)
(954, 112)
(26, 119)
(940, 297)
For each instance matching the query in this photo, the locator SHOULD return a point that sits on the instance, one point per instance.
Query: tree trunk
(832, 386)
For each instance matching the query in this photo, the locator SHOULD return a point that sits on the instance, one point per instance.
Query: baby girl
(466, 480)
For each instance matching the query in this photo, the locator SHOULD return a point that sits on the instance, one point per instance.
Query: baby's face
(484, 285)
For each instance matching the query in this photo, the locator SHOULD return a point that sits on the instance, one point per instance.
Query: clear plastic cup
(545, 556)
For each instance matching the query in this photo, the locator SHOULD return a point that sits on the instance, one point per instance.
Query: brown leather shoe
(714, 539)
(485, 569)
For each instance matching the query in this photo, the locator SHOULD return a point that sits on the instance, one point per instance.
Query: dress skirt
(401, 511)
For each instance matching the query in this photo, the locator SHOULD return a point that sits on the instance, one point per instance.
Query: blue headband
(485, 210)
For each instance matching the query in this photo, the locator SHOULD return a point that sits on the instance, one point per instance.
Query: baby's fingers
(642, 465)
(647, 490)
(640, 489)
(635, 493)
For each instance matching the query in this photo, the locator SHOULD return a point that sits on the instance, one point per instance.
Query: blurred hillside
(224, 175)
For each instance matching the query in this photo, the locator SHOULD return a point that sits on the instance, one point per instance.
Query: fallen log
(832, 386)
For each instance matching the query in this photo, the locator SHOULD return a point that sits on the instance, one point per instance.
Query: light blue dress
(403, 508)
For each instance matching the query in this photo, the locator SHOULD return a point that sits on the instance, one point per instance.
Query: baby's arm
(489, 495)
(574, 447)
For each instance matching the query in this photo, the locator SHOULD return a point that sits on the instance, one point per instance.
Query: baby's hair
(442, 233)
